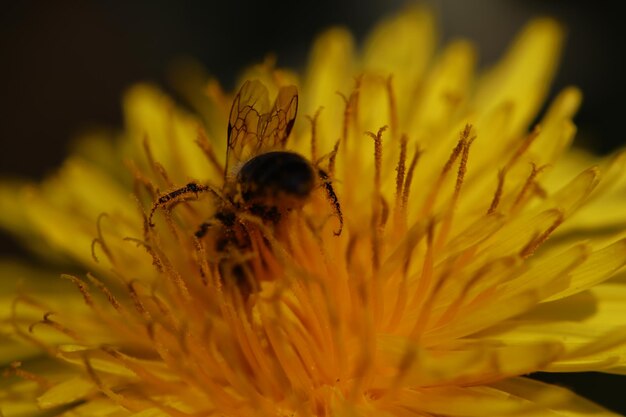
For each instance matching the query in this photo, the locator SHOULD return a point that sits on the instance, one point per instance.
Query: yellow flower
(475, 249)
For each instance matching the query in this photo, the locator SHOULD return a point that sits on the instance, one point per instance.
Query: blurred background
(64, 66)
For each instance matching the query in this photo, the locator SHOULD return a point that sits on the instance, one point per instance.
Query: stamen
(16, 323)
(524, 146)
(265, 255)
(214, 91)
(332, 159)
(354, 98)
(15, 368)
(462, 169)
(434, 291)
(514, 158)
(528, 185)
(384, 213)
(456, 152)
(283, 349)
(350, 110)
(176, 279)
(393, 110)
(117, 398)
(201, 260)
(401, 171)
(375, 226)
(452, 311)
(56, 326)
(376, 211)
(446, 224)
(160, 169)
(148, 151)
(498, 194)
(166, 313)
(346, 115)
(134, 296)
(350, 250)
(100, 241)
(378, 156)
(82, 287)
(135, 367)
(406, 362)
(406, 189)
(313, 121)
(458, 149)
(103, 288)
(408, 246)
(539, 239)
(205, 145)
(155, 259)
(422, 292)
(140, 180)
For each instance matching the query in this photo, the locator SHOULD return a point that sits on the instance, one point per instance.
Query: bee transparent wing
(249, 105)
(253, 127)
(275, 127)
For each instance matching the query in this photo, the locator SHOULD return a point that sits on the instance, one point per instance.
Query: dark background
(65, 64)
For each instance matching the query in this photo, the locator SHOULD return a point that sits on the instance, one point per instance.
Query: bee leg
(203, 229)
(266, 213)
(236, 275)
(226, 218)
(332, 196)
(179, 195)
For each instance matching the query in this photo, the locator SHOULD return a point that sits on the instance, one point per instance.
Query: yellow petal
(522, 78)
(401, 45)
(469, 362)
(205, 94)
(600, 265)
(330, 70)
(66, 392)
(535, 391)
(12, 215)
(603, 214)
(63, 212)
(471, 319)
(557, 128)
(591, 326)
(150, 412)
(171, 134)
(476, 401)
(445, 89)
(97, 408)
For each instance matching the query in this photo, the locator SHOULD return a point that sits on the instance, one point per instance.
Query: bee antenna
(332, 196)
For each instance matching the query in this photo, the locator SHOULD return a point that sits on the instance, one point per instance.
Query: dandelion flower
(476, 248)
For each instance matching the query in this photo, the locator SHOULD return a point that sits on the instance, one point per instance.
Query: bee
(268, 181)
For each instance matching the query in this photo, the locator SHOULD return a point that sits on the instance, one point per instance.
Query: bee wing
(250, 103)
(275, 127)
(253, 127)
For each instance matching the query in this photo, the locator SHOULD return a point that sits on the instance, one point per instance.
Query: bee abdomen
(275, 174)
